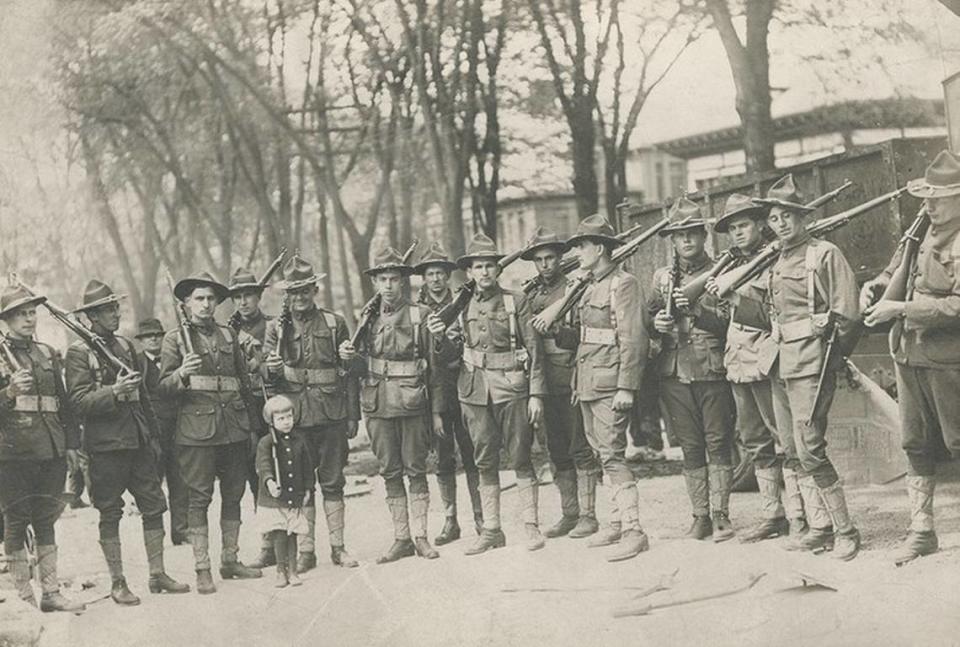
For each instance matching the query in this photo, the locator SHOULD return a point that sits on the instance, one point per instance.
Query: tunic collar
(495, 291)
(252, 320)
(696, 264)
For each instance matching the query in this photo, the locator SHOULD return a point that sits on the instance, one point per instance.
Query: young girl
(286, 486)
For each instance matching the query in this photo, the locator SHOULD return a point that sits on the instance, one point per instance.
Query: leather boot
(283, 562)
(846, 541)
(292, 576)
(566, 481)
(335, 512)
(20, 573)
(922, 538)
(698, 490)
(473, 487)
(119, 592)
(528, 494)
(609, 533)
(52, 599)
(633, 540)
(448, 495)
(819, 536)
(267, 556)
(721, 481)
(159, 581)
(200, 542)
(230, 566)
(205, 585)
(793, 503)
(774, 521)
(402, 545)
(587, 499)
(306, 543)
(419, 504)
(491, 536)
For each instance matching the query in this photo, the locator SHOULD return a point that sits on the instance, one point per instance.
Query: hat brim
(21, 303)
(296, 285)
(464, 262)
(240, 287)
(113, 298)
(405, 270)
(783, 204)
(594, 238)
(421, 268)
(920, 188)
(723, 222)
(185, 288)
(695, 223)
(560, 245)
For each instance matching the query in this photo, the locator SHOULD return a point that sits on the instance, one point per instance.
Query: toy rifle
(180, 310)
(236, 318)
(372, 307)
(556, 310)
(737, 278)
(731, 257)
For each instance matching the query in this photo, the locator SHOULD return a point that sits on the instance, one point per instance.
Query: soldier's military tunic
(119, 436)
(695, 397)
(252, 333)
(36, 429)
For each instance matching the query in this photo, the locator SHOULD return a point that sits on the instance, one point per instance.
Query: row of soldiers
(749, 358)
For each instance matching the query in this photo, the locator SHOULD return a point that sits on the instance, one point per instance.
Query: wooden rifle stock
(180, 310)
(896, 289)
(13, 365)
(372, 307)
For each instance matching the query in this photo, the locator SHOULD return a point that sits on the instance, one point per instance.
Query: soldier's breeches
(30, 494)
(566, 439)
(757, 422)
(456, 439)
(328, 448)
(501, 425)
(201, 466)
(702, 417)
(115, 472)
(809, 441)
(401, 445)
(606, 431)
(929, 413)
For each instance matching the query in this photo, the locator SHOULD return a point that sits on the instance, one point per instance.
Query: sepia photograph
(442, 323)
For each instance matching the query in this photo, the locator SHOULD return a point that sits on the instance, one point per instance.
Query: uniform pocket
(412, 397)
(334, 401)
(241, 416)
(605, 378)
(322, 342)
(516, 381)
(465, 383)
(197, 422)
(369, 395)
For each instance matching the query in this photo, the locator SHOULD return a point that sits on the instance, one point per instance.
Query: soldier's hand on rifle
(347, 350)
(353, 426)
(273, 362)
(680, 299)
(534, 410)
(623, 400)
(21, 383)
(438, 429)
(663, 323)
(273, 488)
(711, 286)
(191, 365)
(434, 325)
(539, 324)
(870, 292)
(883, 311)
(127, 384)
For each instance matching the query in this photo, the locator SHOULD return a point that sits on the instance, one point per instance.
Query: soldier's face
(943, 210)
(436, 279)
(247, 302)
(787, 225)
(547, 262)
(485, 272)
(152, 343)
(283, 421)
(745, 232)
(202, 303)
(589, 253)
(22, 322)
(689, 242)
(301, 299)
(389, 285)
(106, 317)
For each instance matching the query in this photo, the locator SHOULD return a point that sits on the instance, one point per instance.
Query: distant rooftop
(839, 117)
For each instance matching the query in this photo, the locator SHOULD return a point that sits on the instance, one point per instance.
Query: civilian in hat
(925, 342)
(695, 397)
(576, 469)
(119, 432)
(310, 371)
(39, 438)
(401, 399)
(748, 340)
(150, 334)
(501, 389)
(211, 392)
(435, 267)
(812, 288)
(612, 344)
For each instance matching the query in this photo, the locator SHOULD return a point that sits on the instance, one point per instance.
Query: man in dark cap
(695, 397)
(435, 267)
(119, 432)
(205, 376)
(150, 334)
(925, 342)
(304, 364)
(401, 399)
(39, 438)
(576, 469)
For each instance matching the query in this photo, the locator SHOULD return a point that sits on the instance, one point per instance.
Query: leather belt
(600, 336)
(36, 404)
(129, 397)
(501, 361)
(308, 376)
(792, 330)
(393, 367)
(214, 383)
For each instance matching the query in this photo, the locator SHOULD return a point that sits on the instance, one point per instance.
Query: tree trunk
(584, 139)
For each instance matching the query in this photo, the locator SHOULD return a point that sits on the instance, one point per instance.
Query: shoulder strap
(812, 258)
(228, 333)
(615, 279)
(46, 351)
(415, 322)
(510, 305)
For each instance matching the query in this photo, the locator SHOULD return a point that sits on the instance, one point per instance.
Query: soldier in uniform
(209, 387)
(402, 399)
(120, 432)
(309, 370)
(694, 395)
(38, 439)
(811, 289)
(747, 340)
(150, 335)
(925, 342)
(576, 469)
(435, 268)
(501, 389)
(250, 323)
